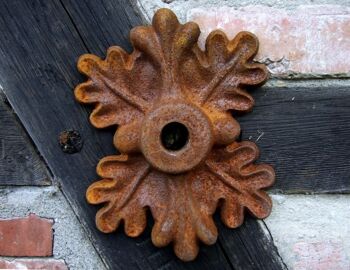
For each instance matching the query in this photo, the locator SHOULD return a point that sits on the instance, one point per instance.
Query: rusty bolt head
(70, 141)
(197, 147)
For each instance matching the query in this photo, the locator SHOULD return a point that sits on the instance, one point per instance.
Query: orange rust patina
(179, 157)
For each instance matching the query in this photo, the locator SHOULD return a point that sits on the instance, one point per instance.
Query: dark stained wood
(243, 246)
(20, 164)
(103, 23)
(305, 134)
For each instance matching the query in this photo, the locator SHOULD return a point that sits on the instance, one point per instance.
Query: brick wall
(309, 40)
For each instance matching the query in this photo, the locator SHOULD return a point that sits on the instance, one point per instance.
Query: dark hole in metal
(174, 136)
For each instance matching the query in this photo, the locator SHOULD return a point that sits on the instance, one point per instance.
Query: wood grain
(20, 164)
(245, 256)
(104, 23)
(304, 133)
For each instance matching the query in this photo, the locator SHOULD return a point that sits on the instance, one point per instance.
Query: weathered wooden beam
(104, 23)
(304, 133)
(20, 164)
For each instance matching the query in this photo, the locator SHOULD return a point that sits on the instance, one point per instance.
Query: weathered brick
(47, 264)
(320, 256)
(29, 236)
(309, 39)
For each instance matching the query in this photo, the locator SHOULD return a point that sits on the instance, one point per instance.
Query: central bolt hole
(174, 136)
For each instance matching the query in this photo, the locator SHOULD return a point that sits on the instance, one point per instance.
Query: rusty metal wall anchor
(172, 103)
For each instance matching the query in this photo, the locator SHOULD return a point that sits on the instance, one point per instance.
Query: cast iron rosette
(172, 104)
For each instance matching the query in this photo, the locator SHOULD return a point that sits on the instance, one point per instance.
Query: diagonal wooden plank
(39, 48)
(304, 133)
(20, 164)
(104, 23)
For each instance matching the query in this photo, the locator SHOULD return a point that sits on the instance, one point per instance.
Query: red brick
(47, 264)
(29, 236)
(309, 39)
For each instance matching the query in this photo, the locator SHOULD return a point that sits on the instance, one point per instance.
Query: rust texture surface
(180, 159)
